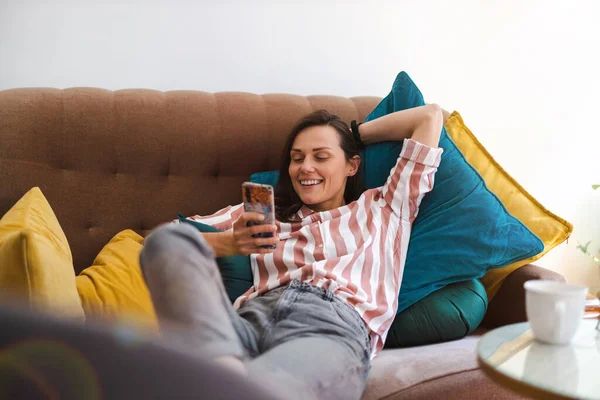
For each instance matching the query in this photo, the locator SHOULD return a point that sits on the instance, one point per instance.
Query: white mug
(554, 309)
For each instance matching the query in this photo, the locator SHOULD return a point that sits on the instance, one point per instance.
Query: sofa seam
(62, 163)
(217, 170)
(269, 126)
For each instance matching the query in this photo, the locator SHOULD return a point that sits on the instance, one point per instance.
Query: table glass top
(572, 370)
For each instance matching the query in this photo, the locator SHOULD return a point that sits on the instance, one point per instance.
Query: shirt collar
(304, 211)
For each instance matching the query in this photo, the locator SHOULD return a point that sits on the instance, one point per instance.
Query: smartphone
(261, 199)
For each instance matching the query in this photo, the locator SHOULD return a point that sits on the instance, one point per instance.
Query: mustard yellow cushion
(551, 229)
(36, 265)
(113, 288)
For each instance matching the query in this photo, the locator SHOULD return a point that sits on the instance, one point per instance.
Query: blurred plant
(584, 249)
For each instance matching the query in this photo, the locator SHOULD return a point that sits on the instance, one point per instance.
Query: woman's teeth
(310, 183)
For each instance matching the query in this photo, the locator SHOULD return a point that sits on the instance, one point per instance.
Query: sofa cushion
(113, 287)
(236, 271)
(36, 265)
(462, 230)
(550, 228)
(397, 370)
(449, 313)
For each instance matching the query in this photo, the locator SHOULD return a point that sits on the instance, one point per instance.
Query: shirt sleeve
(411, 178)
(223, 219)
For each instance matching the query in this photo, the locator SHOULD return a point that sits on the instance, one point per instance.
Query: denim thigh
(310, 341)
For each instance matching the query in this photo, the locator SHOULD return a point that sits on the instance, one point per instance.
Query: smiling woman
(320, 166)
(324, 297)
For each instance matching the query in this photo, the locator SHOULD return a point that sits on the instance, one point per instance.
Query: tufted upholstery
(134, 158)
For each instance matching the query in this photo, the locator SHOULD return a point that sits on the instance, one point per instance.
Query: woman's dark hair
(287, 201)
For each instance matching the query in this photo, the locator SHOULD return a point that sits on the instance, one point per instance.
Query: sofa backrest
(112, 160)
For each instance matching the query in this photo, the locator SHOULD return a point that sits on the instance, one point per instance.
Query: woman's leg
(311, 368)
(313, 345)
(194, 312)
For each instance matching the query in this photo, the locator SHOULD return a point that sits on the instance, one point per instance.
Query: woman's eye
(296, 159)
(321, 158)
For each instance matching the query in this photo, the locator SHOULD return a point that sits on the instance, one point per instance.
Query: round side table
(513, 358)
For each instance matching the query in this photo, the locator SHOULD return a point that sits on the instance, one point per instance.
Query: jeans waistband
(307, 287)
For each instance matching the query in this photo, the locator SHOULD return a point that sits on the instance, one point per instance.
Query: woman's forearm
(221, 243)
(421, 123)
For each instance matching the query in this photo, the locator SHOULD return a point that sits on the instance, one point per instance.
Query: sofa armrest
(508, 306)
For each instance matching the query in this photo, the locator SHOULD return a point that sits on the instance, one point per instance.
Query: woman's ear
(354, 164)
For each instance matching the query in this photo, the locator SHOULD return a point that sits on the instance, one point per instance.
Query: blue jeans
(299, 340)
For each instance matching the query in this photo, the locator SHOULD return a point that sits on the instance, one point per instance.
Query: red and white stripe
(357, 251)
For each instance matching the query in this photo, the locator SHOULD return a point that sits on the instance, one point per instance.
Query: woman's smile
(310, 183)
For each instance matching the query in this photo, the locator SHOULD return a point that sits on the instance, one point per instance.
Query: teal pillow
(236, 271)
(462, 229)
(266, 178)
(449, 313)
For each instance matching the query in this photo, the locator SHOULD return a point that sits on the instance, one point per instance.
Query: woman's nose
(306, 165)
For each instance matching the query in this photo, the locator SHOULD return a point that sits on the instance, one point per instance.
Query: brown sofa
(107, 161)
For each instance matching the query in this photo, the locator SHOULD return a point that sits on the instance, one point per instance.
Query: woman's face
(319, 169)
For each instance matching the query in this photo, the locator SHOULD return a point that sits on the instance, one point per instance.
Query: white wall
(523, 73)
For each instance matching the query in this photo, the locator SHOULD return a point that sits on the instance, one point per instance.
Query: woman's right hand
(243, 243)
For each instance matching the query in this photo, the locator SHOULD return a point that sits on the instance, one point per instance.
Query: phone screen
(260, 198)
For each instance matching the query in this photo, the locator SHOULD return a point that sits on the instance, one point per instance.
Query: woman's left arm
(423, 124)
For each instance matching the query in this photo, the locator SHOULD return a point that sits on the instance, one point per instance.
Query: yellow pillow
(551, 229)
(113, 288)
(36, 265)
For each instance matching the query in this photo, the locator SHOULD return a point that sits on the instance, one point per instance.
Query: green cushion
(236, 271)
(449, 313)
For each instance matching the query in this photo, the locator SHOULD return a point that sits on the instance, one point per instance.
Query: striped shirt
(357, 250)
